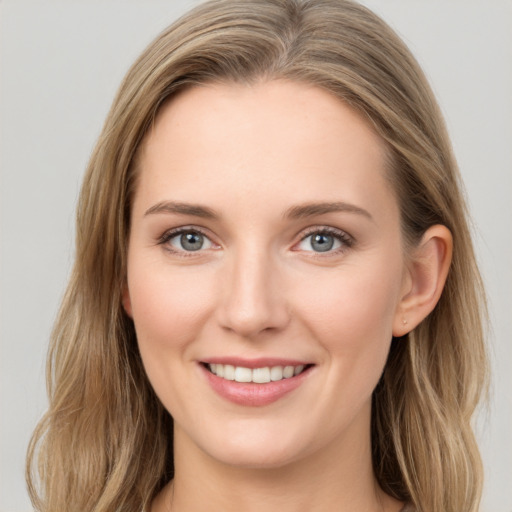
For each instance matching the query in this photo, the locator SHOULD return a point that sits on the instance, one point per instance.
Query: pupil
(322, 243)
(192, 241)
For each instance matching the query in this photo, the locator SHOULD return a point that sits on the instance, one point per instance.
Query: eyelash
(169, 235)
(346, 240)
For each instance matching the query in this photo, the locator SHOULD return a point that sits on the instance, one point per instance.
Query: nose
(253, 298)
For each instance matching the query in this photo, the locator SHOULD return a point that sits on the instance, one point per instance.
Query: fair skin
(265, 234)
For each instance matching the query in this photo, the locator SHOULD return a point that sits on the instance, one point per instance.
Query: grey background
(61, 62)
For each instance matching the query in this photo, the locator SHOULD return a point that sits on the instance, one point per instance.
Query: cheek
(169, 311)
(351, 312)
(169, 307)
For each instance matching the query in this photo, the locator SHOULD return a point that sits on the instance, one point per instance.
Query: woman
(275, 301)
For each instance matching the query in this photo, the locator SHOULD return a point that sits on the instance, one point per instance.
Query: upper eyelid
(169, 233)
(320, 229)
(325, 229)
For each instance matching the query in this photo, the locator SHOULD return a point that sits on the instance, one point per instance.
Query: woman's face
(265, 241)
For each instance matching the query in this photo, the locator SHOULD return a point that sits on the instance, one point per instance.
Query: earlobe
(126, 301)
(428, 270)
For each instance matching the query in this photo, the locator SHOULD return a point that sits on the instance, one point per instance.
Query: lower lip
(252, 394)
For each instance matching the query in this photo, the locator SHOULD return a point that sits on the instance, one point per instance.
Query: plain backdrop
(61, 62)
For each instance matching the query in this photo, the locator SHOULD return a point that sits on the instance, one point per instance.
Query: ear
(126, 301)
(428, 267)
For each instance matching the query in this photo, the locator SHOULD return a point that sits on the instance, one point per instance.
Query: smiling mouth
(261, 375)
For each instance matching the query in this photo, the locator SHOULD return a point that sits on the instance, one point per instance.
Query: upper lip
(260, 362)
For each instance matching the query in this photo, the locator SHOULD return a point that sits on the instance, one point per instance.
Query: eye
(325, 240)
(186, 240)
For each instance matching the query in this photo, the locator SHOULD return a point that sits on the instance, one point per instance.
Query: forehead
(288, 141)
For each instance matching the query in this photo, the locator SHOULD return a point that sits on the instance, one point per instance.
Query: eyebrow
(295, 212)
(195, 210)
(312, 209)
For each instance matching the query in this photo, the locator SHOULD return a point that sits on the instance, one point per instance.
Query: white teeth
(276, 373)
(229, 371)
(257, 375)
(298, 369)
(243, 374)
(261, 375)
(288, 372)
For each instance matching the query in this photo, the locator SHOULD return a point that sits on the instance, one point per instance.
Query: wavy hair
(105, 442)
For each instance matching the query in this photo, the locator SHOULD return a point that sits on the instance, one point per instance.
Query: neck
(337, 479)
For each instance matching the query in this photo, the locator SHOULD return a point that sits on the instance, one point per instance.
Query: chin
(269, 457)
(251, 448)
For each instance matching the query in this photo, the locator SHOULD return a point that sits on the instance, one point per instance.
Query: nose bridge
(252, 302)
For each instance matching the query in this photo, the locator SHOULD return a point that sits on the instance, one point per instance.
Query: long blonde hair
(105, 442)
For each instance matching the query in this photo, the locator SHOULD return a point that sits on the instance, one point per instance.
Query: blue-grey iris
(192, 241)
(322, 242)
